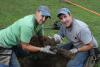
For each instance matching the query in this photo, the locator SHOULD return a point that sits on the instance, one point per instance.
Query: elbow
(90, 46)
(24, 47)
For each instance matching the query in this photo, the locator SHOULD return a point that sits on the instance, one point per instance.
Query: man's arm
(86, 37)
(30, 48)
(87, 47)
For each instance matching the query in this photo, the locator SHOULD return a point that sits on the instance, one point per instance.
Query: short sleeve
(85, 36)
(26, 33)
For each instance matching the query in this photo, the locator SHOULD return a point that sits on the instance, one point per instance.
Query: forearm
(30, 48)
(85, 48)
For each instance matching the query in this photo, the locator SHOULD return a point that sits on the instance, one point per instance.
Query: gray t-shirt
(79, 34)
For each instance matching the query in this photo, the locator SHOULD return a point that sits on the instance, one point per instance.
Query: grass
(12, 10)
(91, 4)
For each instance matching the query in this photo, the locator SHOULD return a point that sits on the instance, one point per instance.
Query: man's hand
(46, 49)
(57, 38)
(74, 50)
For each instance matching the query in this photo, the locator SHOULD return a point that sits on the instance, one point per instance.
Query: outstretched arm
(30, 48)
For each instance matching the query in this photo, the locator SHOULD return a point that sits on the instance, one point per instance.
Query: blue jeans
(14, 62)
(79, 59)
(2, 65)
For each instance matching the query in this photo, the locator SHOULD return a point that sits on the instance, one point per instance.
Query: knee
(74, 64)
(2, 65)
(70, 64)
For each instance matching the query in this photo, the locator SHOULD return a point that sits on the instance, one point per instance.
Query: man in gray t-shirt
(78, 34)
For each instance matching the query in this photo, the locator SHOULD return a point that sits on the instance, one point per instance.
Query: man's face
(40, 18)
(66, 19)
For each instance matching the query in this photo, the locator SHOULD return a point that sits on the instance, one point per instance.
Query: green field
(11, 10)
(91, 4)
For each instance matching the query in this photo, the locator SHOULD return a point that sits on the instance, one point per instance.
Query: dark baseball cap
(44, 10)
(63, 11)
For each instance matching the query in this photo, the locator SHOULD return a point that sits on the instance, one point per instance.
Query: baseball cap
(63, 11)
(44, 10)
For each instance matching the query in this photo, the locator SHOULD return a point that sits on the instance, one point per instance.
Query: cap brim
(60, 14)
